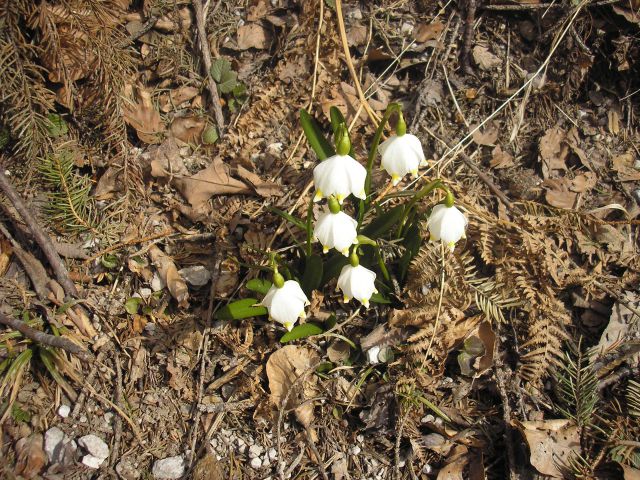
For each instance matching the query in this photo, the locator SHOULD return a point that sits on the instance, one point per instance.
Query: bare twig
(500, 374)
(115, 450)
(206, 59)
(46, 339)
(543, 6)
(468, 36)
(40, 236)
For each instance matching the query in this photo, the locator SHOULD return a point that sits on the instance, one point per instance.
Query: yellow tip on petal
(345, 252)
(365, 302)
(318, 196)
(302, 314)
(451, 245)
(288, 326)
(414, 173)
(346, 299)
(325, 249)
(340, 198)
(362, 193)
(395, 179)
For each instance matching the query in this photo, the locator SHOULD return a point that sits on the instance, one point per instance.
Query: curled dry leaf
(170, 276)
(553, 151)
(487, 136)
(284, 369)
(500, 159)
(213, 180)
(188, 129)
(551, 444)
(140, 113)
(429, 31)
(620, 325)
(177, 97)
(623, 164)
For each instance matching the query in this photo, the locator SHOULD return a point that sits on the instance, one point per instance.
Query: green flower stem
(364, 240)
(364, 204)
(428, 188)
(381, 264)
(309, 226)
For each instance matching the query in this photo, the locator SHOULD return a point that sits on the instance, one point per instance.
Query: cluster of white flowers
(336, 178)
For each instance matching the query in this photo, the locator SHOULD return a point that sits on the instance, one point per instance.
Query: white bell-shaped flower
(357, 282)
(286, 303)
(402, 154)
(339, 176)
(446, 224)
(336, 230)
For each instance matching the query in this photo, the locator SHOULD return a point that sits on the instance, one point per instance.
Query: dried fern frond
(70, 205)
(633, 398)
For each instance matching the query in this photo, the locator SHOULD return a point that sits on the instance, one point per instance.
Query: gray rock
(272, 454)
(196, 275)
(255, 451)
(64, 411)
(256, 463)
(95, 447)
(126, 470)
(92, 462)
(169, 468)
(53, 443)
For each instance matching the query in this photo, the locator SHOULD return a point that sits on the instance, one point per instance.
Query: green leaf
(384, 222)
(240, 92)
(377, 298)
(312, 277)
(301, 331)
(333, 266)
(220, 67)
(412, 241)
(56, 127)
(316, 139)
(290, 218)
(240, 309)
(132, 305)
(228, 82)
(210, 135)
(336, 119)
(259, 285)
(109, 261)
(20, 415)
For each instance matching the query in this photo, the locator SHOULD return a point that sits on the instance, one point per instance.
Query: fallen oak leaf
(213, 180)
(31, 457)
(262, 188)
(140, 113)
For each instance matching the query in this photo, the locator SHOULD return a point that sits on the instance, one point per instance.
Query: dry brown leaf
(284, 369)
(583, 182)
(553, 151)
(208, 468)
(213, 180)
(357, 35)
(262, 188)
(623, 164)
(31, 457)
(486, 334)
(619, 325)
(177, 97)
(170, 276)
(486, 136)
(227, 278)
(429, 31)
(338, 351)
(253, 35)
(558, 193)
(551, 443)
(630, 14)
(485, 59)
(188, 129)
(630, 473)
(140, 113)
(457, 461)
(500, 159)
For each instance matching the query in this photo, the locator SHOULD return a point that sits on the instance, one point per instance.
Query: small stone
(196, 275)
(156, 283)
(126, 470)
(427, 469)
(145, 293)
(83, 419)
(355, 450)
(428, 419)
(95, 446)
(372, 355)
(266, 462)
(256, 463)
(272, 454)
(64, 411)
(169, 468)
(360, 438)
(53, 443)
(92, 461)
(108, 418)
(255, 451)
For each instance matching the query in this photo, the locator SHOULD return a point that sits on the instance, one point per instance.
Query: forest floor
(159, 164)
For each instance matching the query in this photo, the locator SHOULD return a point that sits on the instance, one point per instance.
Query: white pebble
(256, 463)
(360, 438)
(355, 450)
(169, 468)
(95, 446)
(255, 451)
(272, 453)
(64, 411)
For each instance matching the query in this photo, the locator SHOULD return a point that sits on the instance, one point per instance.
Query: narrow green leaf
(412, 242)
(290, 218)
(240, 309)
(259, 285)
(316, 139)
(312, 277)
(383, 223)
(301, 331)
(378, 298)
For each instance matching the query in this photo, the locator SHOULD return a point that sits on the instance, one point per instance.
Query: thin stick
(440, 297)
(347, 56)
(468, 37)
(46, 339)
(206, 59)
(43, 240)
